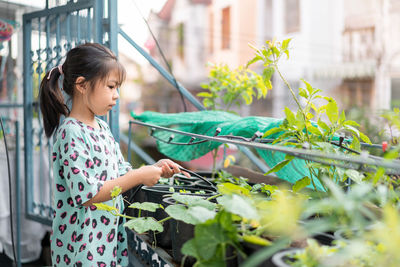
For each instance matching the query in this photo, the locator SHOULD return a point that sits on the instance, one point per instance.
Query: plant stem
(295, 99)
(218, 195)
(165, 219)
(288, 86)
(123, 215)
(214, 153)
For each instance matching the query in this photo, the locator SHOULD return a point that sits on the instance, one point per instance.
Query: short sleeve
(78, 167)
(123, 166)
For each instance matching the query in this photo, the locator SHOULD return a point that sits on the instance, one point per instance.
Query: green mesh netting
(206, 123)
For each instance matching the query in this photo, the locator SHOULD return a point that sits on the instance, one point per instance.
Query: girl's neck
(85, 116)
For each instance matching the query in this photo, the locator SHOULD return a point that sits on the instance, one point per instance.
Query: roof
(166, 11)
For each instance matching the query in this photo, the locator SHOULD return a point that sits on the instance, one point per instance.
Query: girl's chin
(104, 113)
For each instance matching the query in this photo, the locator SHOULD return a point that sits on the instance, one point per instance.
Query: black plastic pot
(180, 233)
(280, 258)
(203, 185)
(324, 238)
(156, 194)
(181, 177)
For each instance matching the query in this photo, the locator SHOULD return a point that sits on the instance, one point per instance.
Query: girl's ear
(80, 84)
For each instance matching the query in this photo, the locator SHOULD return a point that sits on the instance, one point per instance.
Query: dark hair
(91, 61)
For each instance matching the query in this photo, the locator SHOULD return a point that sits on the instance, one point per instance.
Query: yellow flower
(229, 160)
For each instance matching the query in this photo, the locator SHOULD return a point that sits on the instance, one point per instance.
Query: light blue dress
(83, 159)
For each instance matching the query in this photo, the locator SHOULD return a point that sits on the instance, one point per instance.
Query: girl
(87, 162)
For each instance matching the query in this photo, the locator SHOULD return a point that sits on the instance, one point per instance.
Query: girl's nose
(116, 94)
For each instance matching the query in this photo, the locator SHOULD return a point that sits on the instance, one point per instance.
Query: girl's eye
(111, 87)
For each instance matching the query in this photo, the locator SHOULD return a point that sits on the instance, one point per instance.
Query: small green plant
(308, 127)
(228, 88)
(139, 224)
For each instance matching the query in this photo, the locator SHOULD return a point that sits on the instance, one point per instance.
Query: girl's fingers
(175, 167)
(172, 168)
(167, 171)
(186, 174)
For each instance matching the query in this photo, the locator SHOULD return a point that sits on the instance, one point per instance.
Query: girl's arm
(147, 175)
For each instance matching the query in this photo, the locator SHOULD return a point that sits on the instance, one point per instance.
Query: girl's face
(104, 94)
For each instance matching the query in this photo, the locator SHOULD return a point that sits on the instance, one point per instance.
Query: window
(292, 16)
(226, 27)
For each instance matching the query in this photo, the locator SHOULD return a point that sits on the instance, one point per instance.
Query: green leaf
(189, 249)
(342, 117)
(300, 122)
(275, 51)
(309, 116)
(149, 206)
(278, 166)
(238, 205)
(286, 52)
(323, 125)
(116, 191)
(204, 94)
(271, 132)
(355, 131)
(191, 200)
(378, 175)
(268, 84)
(247, 98)
(201, 214)
(300, 184)
(351, 123)
(207, 237)
(364, 138)
(229, 188)
(285, 43)
(303, 93)
(101, 206)
(332, 111)
(268, 72)
(355, 144)
(308, 86)
(253, 239)
(208, 102)
(314, 130)
(354, 175)
(290, 116)
(144, 224)
(253, 60)
(192, 215)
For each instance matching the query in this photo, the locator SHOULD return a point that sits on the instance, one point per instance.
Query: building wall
(189, 62)
(316, 42)
(243, 30)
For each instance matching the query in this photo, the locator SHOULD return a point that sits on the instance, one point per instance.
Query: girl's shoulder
(73, 128)
(69, 127)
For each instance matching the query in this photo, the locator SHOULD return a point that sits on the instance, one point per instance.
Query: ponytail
(52, 101)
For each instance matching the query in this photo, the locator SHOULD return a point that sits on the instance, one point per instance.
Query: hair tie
(59, 69)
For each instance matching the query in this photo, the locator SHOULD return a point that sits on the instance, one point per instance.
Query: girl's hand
(152, 175)
(169, 168)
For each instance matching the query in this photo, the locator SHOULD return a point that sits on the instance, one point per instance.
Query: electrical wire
(163, 57)
(10, 191)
